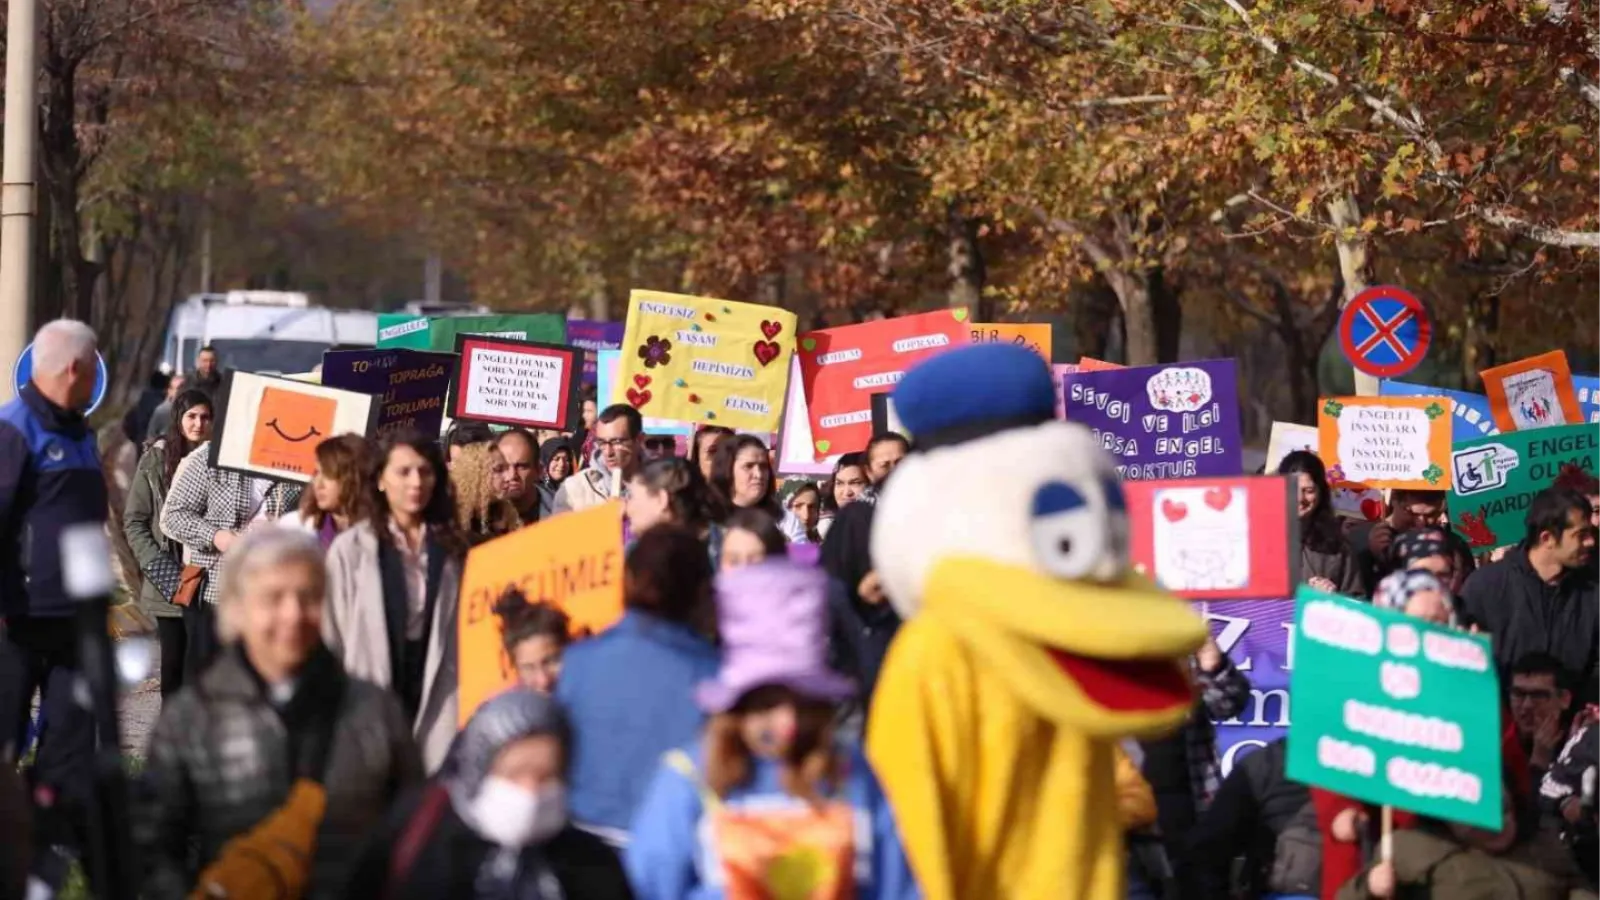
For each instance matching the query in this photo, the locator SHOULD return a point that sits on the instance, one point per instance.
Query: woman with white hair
(273, 747)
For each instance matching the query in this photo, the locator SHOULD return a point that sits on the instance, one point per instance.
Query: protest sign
(1058, 371)
(1090, 364)
(1216, 538)
(591, 338)
(1386, 442)
(841, 368)
(1394, 710)
(411, 385)
(607, 362)
(1495, 478)
(1286, 438)
(520, 383)
(706, 361)
(270, 427)
(438, 333)
(1176, 421)
(1349, 499)
(1257, 635)
(796, 455)
(1588, 390)
(572, 561)
(884, 419)
(1034, 336)
(1536, 392)
(1471, 415)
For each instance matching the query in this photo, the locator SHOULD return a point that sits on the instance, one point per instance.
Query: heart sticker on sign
(1173, 511)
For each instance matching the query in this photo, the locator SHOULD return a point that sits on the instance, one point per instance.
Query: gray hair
(61, 343)
(259, 547)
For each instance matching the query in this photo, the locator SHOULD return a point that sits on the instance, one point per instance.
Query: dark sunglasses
(660, 445)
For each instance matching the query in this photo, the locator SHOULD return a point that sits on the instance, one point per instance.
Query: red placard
(1235, 538)
(841, 368)
(511, 382)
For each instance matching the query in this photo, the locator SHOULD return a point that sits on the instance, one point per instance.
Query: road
(139, 707)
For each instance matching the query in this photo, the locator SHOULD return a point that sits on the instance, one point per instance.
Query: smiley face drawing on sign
(289, 426)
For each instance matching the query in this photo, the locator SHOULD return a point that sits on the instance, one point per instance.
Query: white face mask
(509, 815)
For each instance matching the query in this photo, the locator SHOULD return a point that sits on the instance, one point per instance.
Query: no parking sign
(1385, 331)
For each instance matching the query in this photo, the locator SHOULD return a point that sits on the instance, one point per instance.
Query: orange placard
(1090, 364)
(1530, 393)
(1386, 442)
(1034, 336)
(572, 561)
(288, 429)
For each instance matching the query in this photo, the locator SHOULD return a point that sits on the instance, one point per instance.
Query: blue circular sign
(1385, 331)
(24, 371)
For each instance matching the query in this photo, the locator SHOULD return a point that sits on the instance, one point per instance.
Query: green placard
(1392, 710)
(438, 334)
(1495, 478)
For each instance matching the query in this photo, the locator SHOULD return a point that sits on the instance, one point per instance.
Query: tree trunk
(1355, 265)
(1096, 306)
(1166, 315)
(1138, 316)
(968, 272)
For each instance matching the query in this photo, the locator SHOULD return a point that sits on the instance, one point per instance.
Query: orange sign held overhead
(1386, 442)
(288, 429)
(1034, 336)
(572, 561)
(1090, 364)
(1536, 392)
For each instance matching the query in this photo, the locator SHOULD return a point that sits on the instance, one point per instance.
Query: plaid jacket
(1223, 694)
(203, 501)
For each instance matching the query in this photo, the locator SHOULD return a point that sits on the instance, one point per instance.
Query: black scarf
(407, 659)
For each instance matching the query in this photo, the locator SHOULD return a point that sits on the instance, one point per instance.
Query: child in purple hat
(768, 803)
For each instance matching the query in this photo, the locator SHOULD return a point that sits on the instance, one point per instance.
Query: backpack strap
(679, 762)
(419, 828)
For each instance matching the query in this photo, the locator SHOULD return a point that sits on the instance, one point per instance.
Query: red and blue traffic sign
(23, 371)
(1385, 331)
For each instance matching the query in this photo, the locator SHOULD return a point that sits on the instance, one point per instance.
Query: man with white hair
(50, 480)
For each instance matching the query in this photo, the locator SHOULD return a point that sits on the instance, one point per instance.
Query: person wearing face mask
(159, 557)
(741, 478)
(768, 784)
(493, 825)
(1326, 561)
(393, 586)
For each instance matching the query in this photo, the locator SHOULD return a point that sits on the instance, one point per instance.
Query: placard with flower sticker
(706, 361)
(1386, 442)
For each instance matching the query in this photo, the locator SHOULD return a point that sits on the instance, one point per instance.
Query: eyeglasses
(613, 444)
(1524, 694)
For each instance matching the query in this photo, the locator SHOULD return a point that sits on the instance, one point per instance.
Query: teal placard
(1493, 479)
(1394, 711)
(438, 334)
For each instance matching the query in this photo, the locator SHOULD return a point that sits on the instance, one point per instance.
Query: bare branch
(1544, 234)
(1585, 88)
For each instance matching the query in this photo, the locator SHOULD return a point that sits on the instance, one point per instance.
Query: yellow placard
(710, 362)
(572, 561)
(1033, 335)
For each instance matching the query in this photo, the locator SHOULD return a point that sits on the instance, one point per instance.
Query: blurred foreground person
(493, 826)
(768, 803)
(266, 772)
(629, 691)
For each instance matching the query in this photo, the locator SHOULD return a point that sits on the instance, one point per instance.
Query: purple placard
(411, 384)
(1173, 421)
(1256, 635)
(805, 554)
(592, 337)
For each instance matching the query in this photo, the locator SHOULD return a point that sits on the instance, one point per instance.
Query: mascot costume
(1029, 646)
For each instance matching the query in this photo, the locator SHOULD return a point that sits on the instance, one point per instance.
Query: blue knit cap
(973, 391)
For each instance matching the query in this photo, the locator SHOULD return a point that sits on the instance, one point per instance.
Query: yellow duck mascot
(1029, 646)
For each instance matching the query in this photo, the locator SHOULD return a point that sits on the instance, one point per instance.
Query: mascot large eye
(1070, 531)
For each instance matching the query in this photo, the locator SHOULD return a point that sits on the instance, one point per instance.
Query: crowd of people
(708, 744)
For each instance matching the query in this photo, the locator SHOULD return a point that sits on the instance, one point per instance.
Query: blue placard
(1587, 388)
(102, 380)
(1472, 417)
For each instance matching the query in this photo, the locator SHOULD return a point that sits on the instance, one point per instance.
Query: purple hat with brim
(773, 617)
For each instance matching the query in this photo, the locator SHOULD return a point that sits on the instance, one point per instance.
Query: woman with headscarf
(556, 462)
(768, 783)
(493, 825)
(160, 558)
(1326, 562)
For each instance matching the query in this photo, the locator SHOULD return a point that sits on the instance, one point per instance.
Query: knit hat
(974, 391)
(773, 618)
(1420, 543)
(506, 717)
(1395, 591)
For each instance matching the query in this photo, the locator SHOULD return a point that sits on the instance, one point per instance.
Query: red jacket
(1341, 861)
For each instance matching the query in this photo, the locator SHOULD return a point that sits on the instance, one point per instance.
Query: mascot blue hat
(974, 391)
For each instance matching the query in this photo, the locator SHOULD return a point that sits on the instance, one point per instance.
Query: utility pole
(433, 280)
(17, 194)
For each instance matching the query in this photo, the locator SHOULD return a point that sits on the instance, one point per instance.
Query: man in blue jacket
(50, 479)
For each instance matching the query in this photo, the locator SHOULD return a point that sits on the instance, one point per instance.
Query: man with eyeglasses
(1539, 701)
(1373, 544)
(617, 433)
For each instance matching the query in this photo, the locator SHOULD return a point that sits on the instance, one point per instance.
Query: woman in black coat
(493, 823)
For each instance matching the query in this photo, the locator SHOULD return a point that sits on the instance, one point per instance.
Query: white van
(263, 331)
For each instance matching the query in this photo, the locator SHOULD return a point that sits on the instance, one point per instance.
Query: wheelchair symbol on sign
(1483, 468)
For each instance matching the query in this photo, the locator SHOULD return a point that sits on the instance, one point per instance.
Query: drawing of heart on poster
(1202, 539)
